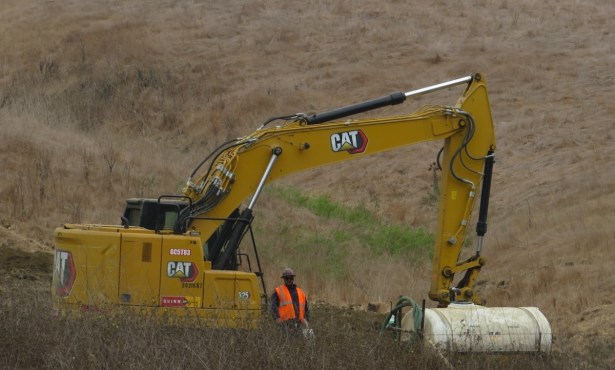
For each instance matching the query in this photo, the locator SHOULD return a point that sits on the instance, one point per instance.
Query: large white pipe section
(465, 327)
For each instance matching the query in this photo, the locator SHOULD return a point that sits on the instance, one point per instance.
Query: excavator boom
(466, 130)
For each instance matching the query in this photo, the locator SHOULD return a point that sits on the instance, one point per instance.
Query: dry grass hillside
(105, 100)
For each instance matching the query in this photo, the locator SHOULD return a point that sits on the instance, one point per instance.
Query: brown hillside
(104, 100)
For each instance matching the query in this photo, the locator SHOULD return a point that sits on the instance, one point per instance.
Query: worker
(289, 303)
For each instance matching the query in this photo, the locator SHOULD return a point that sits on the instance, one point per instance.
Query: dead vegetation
(346, 338)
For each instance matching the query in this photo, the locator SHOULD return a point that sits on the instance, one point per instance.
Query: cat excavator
(179, 255)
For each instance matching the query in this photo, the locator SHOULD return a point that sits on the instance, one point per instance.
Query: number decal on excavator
(179, 252)
(244, 295)
(351, 141)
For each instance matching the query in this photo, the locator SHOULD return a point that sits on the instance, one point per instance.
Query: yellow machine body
(182, 258)
(97, 267)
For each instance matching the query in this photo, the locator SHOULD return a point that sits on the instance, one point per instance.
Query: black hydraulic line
(204, 203)
(422, 320)
(219, 238)
(285, 118)
(469, 133)
(393, 99)
(481, 225)
(226, 260)
(439, 157)
(219, 148)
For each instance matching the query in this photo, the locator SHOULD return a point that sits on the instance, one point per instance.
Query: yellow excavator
(179, 254)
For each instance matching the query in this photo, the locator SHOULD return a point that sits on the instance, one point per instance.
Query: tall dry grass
(34, 338)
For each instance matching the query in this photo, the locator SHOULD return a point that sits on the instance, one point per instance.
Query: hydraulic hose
(417, 315)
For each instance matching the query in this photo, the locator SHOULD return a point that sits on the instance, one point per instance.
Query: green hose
(417, 315)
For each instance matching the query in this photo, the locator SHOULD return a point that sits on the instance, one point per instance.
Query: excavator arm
(239, 170)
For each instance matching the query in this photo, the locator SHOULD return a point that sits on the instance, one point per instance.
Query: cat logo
(353, 142)
(185, 271)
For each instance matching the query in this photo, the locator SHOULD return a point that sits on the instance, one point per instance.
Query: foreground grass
(33, 338)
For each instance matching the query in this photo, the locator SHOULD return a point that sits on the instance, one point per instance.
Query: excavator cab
(153, 214)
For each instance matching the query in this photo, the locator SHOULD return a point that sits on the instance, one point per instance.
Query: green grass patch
(399, 239)
(321, 206)
(358, 223)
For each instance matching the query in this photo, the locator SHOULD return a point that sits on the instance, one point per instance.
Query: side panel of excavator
(86, 267)
(140, 261)
(97, 267)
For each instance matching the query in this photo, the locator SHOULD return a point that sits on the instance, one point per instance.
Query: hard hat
(287, 272)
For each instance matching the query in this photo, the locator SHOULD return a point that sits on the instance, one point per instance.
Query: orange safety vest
(286, 309)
